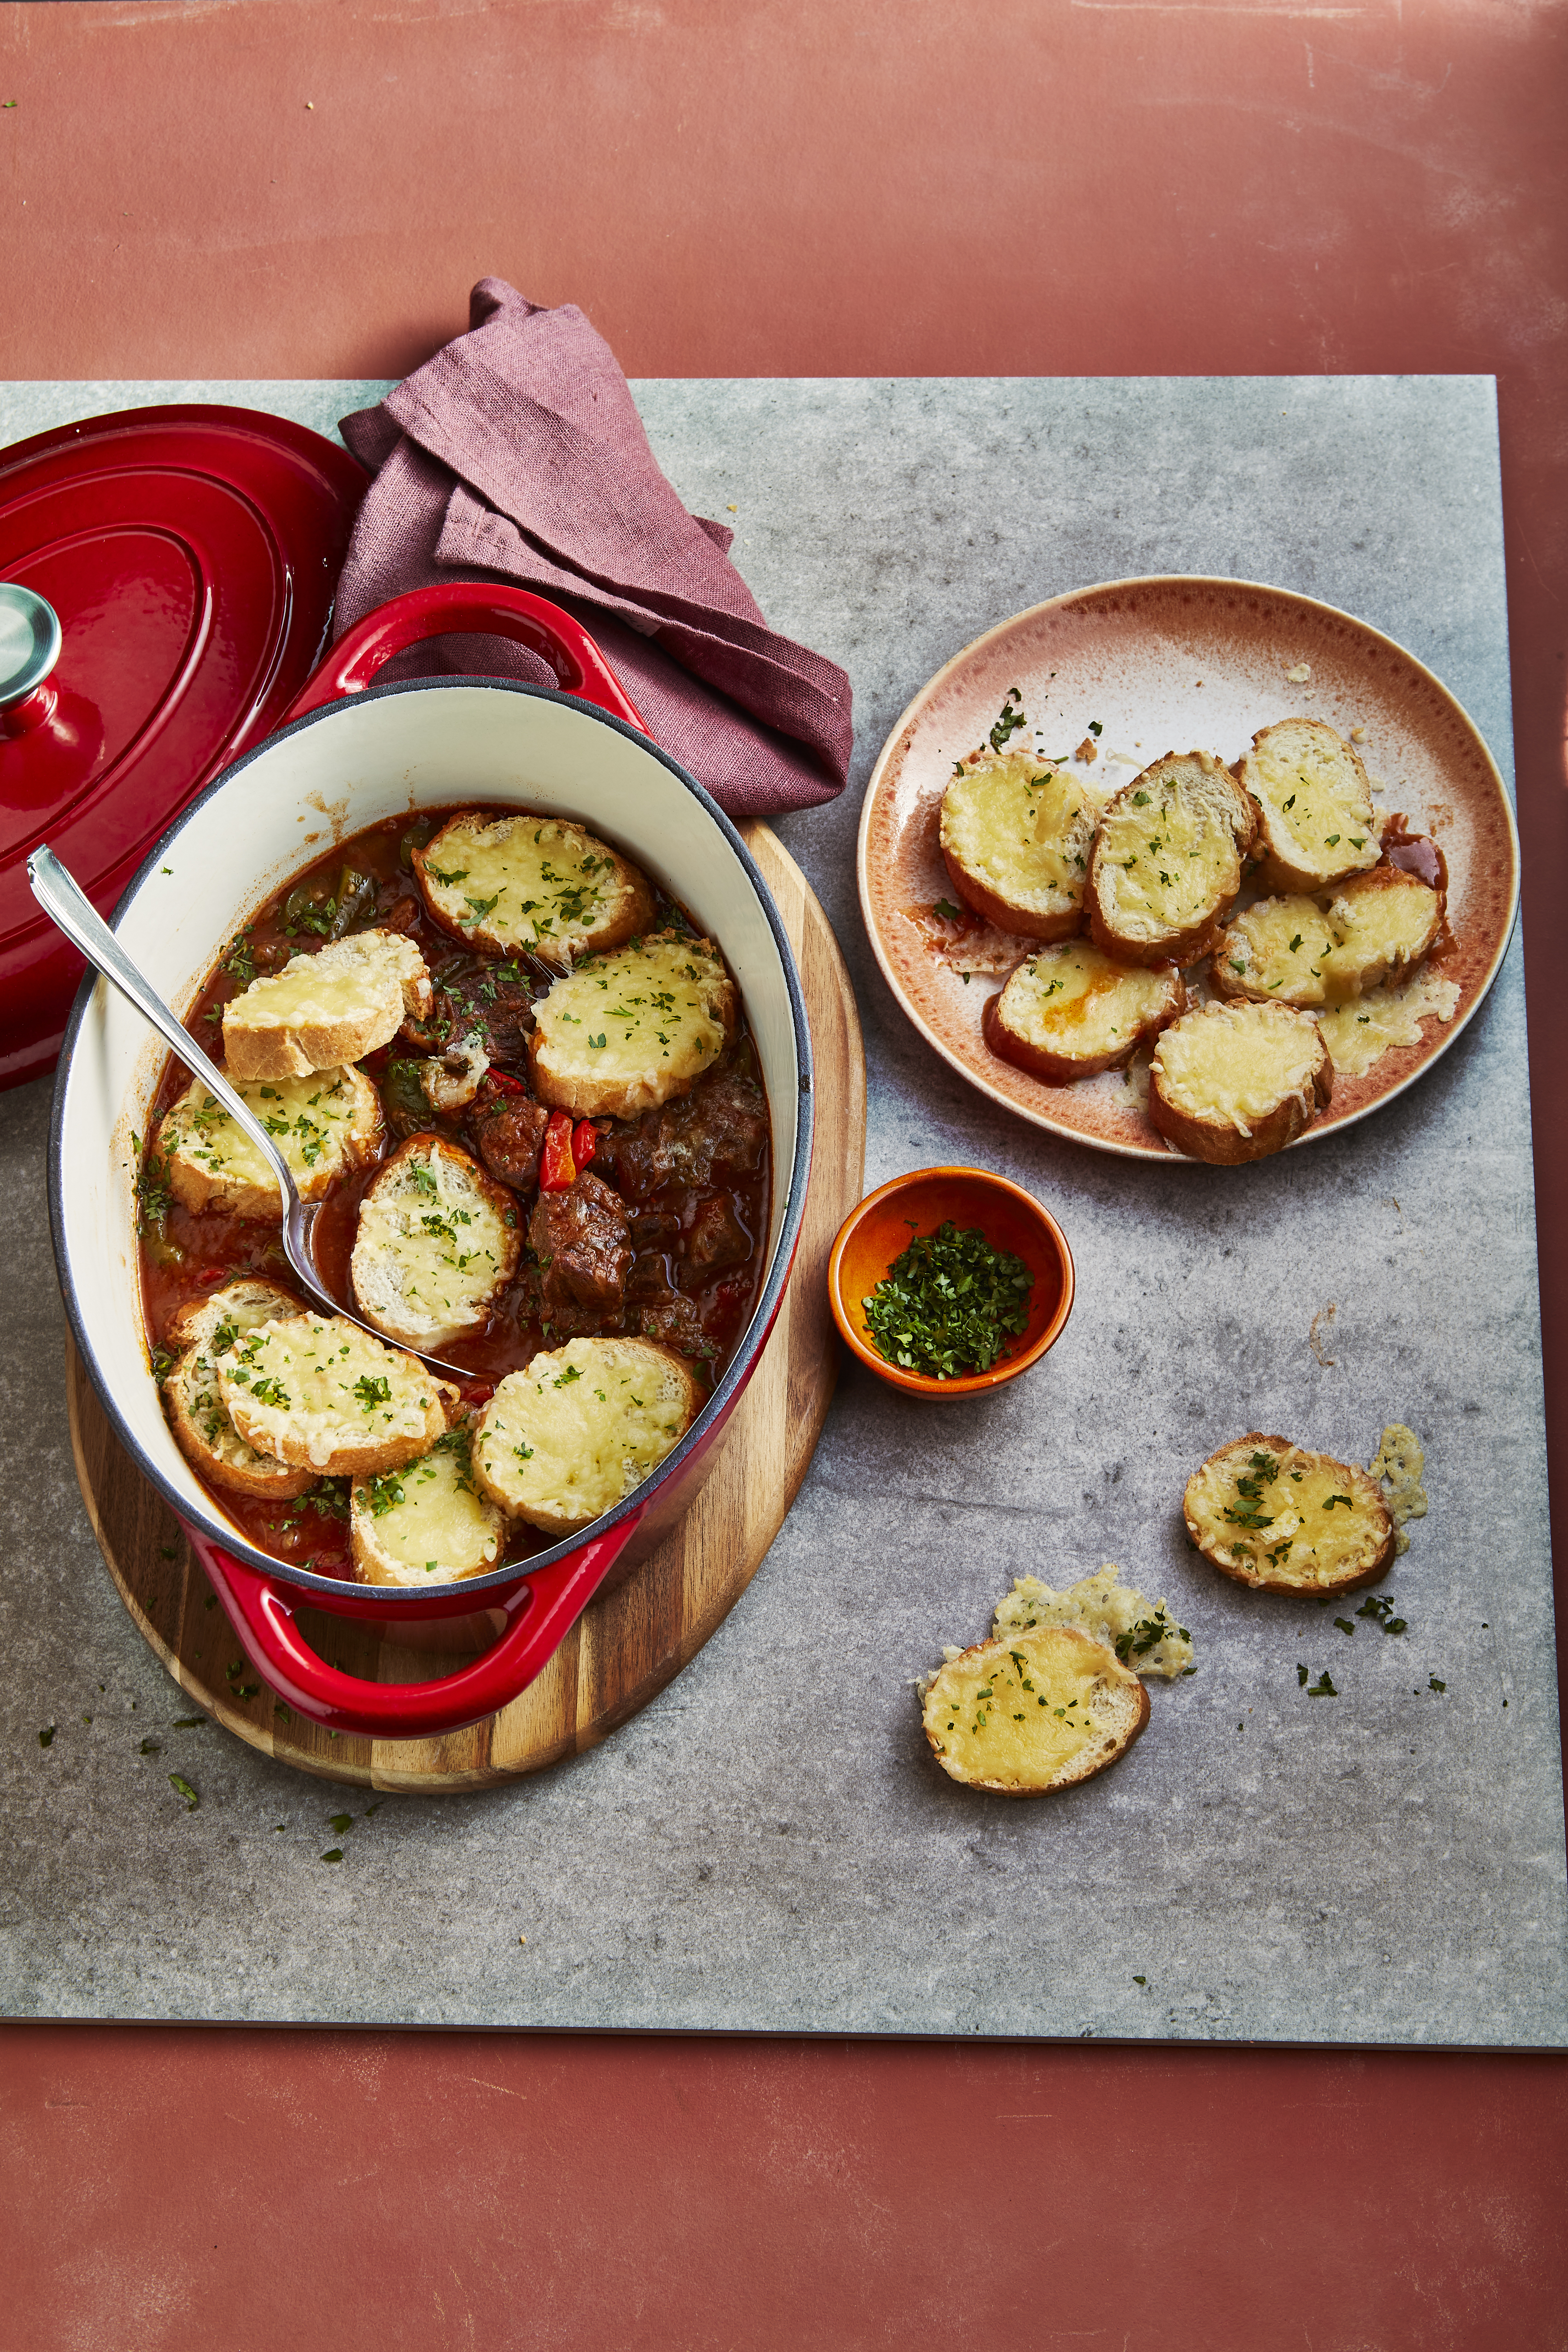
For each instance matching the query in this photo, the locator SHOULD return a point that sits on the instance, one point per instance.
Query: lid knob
(29, 643)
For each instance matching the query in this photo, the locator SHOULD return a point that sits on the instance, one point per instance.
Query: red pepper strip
(557, 1169)
(496, 1082)
(584, 1141)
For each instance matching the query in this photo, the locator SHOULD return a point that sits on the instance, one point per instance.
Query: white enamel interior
(358, 761)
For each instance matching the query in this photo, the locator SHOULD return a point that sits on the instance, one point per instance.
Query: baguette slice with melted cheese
(200, 1331)
(539, 884)
(1015, 838)
(1268, 1514)
(624, 1033)
(1070, 1011)
(1234, 1082)
(426, 1523)
(318, 1392)
(563, 1442)
(324, 1124)
(1166, 861)
(325, 1009)
(1376, 927)
(438, 1241)
(1313, 801)
(1038, 1711)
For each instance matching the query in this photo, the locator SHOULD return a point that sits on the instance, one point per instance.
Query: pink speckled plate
(1175, 664)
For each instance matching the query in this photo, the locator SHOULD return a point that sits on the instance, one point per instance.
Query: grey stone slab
(767, 1846)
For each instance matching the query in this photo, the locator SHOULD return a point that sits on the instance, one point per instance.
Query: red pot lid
(191, 556)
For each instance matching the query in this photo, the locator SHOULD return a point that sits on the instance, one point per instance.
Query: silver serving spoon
(66, 906)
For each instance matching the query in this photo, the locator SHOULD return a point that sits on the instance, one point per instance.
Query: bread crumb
(1358, 734)
(1087, 751)
(1299, 675)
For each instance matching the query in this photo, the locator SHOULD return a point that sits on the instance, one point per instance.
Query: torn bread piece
(200, 1331)
(1313, 802)
(321, 1392)
(324, 1124)
(539, 884)
(623, 1033)
(1166, 862)
(1037, 1711)
(565, 1440)
(1232, 1082)
(1015, 834)
(325, 1009)
(1377, 927)
(1268, 1514)
(436, 1243)
(426, 1523)
(1143, 1634)
(1071, 1010)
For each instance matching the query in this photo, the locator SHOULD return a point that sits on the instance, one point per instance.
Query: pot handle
(467, 607)
(541, 1612)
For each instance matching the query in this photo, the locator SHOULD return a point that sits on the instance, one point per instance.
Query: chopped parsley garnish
(1322, 1687)
(1009, 719)
(183, 1788)
(949, 1304)
(945, 907)
(372, 1391)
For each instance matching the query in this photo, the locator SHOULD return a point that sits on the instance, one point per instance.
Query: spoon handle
(67, 906)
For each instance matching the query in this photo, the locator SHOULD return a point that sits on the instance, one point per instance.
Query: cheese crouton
(1038, 1711)
(506, 883)
(438, 1241)
(563, 1442)
(1071, 1010)
(203, 1329)
(1313, 801)
(1267, 1514)
(1016, 836)
(1376, 927)
(627, 1031)
(321, 1010)
(324, 1125)
(1238, 1081)
(318, 1392)
(427, 1522)
(1166, 861)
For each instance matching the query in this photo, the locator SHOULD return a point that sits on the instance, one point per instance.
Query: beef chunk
(677, 1324)
(717, 1239)
(582, 1238)
(509, 1129)
(719, 1130)
(492, 1003)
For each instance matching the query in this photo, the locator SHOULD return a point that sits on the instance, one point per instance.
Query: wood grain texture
(632, 1640)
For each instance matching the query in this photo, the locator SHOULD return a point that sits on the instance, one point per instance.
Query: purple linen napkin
(517, 451)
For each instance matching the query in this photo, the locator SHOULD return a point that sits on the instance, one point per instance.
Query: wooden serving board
(631, 1641)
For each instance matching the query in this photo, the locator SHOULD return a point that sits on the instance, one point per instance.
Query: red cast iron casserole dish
(345, 758)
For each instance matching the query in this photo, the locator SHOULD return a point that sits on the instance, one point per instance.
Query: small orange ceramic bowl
(910, 1208)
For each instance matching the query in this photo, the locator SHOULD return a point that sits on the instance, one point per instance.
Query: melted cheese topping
(1315, 797)
(316, 1122)
(1278, 951)
(1075, 999)
(193, 1385)
(426, 1520)
(565, 1440)
(432, 1248)
(1398, 1464)
(322, 1389)
(1018, 1711)
(1289, 1515)
(1022, 828)
(1237, 1061)
(1383, 922)
(531, 882)
(653, 1015)
(1166, 854)
(1361, 1032)
(371, 972)
(1143, 1636)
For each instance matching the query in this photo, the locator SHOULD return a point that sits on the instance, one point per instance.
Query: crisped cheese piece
(1273, 1516)
(426, 1522)
(538, 882)
(318, 1390)
(1015, 834)
(626, 1032)
(1359, 1034)
(566, 1440)
(1314, 803)
(1035, 1712)
(208, 1439)
(1234, 1065)
(438, 1241)
(1398, 1465)
(1167, 859)
(321, 1010)
(1070, 1010)
(1144, 1637)
(324, 1125)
